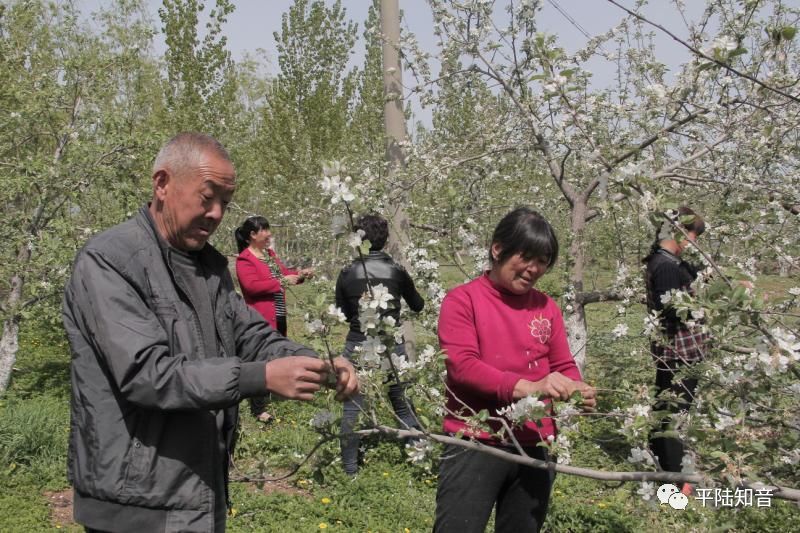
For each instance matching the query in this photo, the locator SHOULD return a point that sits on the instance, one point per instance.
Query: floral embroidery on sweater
(540, 328)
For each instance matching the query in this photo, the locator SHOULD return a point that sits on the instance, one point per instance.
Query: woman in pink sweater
(504, 341)
(260, 272)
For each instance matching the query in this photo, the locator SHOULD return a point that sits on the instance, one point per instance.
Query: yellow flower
(406, 530)
(325, 500)
(602, 505)
(233, 511)
(386, 474)
(323, 525)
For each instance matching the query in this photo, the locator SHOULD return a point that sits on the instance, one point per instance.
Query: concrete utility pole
(395, 127)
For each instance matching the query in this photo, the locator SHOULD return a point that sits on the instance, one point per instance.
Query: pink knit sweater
(493, 339)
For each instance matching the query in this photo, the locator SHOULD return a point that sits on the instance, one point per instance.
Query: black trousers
(259, 403)
(471, 483)
(670, 450)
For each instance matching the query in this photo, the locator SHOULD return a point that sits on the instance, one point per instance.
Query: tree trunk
(575, 314)
(395, 127)
(9, 342)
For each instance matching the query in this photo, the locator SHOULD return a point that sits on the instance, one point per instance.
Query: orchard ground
(389, 494)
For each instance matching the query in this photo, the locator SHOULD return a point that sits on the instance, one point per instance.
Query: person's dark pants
(670, 450)
(471, 483)
(353, 406)
(258, 404)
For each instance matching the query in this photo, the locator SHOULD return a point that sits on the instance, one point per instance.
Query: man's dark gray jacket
(144, 436)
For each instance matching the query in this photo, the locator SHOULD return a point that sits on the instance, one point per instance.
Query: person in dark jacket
(682, 345)
(163, 350)
(380, 269)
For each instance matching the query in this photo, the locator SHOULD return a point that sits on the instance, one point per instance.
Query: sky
(250, 28)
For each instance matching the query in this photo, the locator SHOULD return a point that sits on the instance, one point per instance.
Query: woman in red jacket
(260, 274)
(505, 341)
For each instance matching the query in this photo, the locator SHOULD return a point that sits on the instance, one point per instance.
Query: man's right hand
(296, 378)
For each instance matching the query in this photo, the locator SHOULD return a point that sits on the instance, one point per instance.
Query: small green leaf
(739, 51)
(788, 32)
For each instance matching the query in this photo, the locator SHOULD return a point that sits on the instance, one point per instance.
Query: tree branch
(706, 57)
(785, 493)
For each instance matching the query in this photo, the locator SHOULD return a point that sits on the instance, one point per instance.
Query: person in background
(163, 349)
(504, 341)
(682, 346)
(377, 268)
(261, 275)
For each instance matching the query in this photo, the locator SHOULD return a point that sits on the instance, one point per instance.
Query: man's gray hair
(185, 149)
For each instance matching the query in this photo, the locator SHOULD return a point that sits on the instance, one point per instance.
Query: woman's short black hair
(524, 231)
(375, 228)
(251, 224)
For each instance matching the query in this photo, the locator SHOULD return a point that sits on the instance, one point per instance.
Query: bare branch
(785, 493)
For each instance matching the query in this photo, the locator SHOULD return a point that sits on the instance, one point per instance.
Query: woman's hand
(292, 279)
(558, 387)
(306, 273)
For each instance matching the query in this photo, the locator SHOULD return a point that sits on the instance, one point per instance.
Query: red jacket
(493, 339)
(259, 286)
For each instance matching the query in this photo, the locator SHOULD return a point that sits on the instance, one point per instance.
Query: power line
(569, 18)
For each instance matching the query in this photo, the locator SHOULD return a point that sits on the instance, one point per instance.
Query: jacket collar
(669, 255)
(377, 254)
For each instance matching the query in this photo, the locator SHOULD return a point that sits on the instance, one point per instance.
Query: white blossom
(368, 318)
(355, 239)
(336, 313)
(792, 457)
(638, 455)
(418, 450)
(527, 408)
(620, 331)
(724, 422)
(315, 326)
(647, 490)
(381, 297)
(725, 43)
(371, 350)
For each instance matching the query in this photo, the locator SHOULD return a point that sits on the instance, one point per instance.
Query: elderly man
(163, 350)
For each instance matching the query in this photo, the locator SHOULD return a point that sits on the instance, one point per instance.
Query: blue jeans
(353, 406)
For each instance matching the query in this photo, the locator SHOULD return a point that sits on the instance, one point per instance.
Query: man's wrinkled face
(193, 201)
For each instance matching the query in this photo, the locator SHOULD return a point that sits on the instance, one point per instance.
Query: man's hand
(346, 379)
(296, 378)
